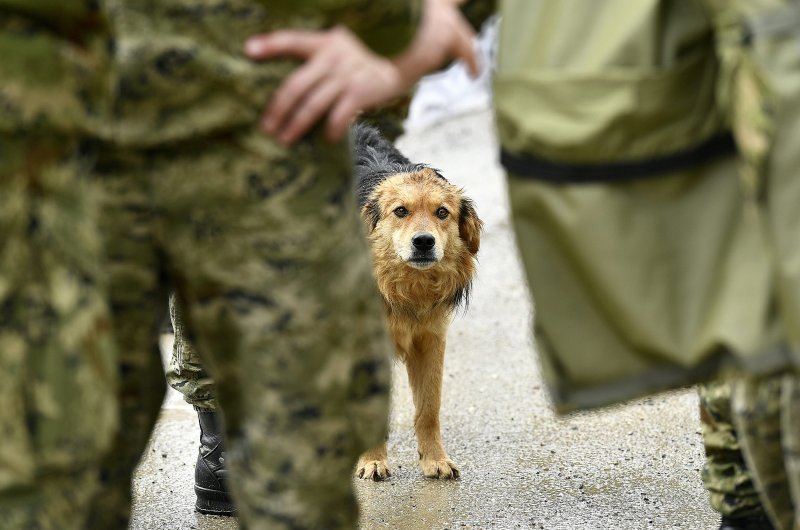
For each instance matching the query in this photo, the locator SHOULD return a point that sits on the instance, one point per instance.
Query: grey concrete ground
(631, 467)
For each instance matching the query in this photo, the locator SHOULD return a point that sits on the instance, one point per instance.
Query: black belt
(558, 173)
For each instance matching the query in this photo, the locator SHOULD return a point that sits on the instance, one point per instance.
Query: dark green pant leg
(725, 474)
(138, 296)
(57, 373)
(57, 358)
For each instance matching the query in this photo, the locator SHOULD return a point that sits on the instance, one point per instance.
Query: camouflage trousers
(752, 442)
(730, 485)
(185, 372)
(751, 432)
(57, 360)
(264, 250)
(766, 413)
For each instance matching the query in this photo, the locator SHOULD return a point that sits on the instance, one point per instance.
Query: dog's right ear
(371, 214)
(469, 226)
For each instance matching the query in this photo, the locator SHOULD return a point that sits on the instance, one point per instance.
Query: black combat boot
(757, 521)
(210, 476)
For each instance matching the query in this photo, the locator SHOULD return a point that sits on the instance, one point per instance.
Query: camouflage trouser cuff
(729, 505)
(203, 404)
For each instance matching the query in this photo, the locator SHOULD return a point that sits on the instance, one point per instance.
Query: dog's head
(421, 218)
(424, 232)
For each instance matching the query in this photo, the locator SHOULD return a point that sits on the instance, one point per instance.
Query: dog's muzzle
(422, 254)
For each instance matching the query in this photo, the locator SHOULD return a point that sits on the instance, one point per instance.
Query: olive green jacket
(653, 186)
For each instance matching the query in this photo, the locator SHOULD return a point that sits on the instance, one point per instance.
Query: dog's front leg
(425, 367)
(374, 464)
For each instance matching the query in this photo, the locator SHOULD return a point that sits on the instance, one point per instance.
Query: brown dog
(425, 235)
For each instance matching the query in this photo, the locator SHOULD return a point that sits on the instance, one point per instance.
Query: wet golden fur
(421, 289)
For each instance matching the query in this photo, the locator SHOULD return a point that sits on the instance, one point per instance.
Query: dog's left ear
(371, 214)
(469, 226)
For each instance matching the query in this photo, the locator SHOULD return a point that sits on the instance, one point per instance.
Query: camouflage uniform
(765, 413)
(185, 372)
(730, 485)
(262, 246)
(57, 361)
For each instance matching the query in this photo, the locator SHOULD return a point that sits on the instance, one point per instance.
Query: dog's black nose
(423, 241)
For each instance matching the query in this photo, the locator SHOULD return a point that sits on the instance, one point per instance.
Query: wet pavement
(629, 467)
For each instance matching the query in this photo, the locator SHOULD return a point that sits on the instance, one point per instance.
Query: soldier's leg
(762, 77)
(57, 372)
(279, 289)
(138, 299)
(187, 375)
(57, 376)
(757, 418)
(185, 372)
(725, 474)
(790, 435)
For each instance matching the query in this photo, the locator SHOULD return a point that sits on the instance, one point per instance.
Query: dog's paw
(373, 470)
(443, 468)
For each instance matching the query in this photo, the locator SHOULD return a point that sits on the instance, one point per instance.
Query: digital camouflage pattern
(197, 46)
(57, 363)
(185, 372)
(262, 246)
(790, 438)
(730, 485)
(53, 71)
(765, 412)
(57, 370)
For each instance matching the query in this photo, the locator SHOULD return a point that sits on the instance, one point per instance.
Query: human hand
(443, 34)
(340, 77)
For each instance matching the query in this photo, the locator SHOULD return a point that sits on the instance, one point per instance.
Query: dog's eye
(400, 211)
(442, 213)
